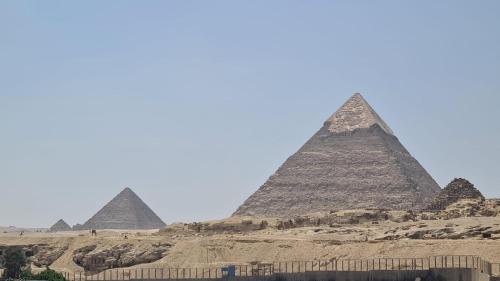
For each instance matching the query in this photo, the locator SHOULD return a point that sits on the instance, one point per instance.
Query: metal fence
(267, 269)
(495, 269)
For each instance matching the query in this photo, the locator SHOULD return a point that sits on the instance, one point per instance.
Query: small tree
(15, 260)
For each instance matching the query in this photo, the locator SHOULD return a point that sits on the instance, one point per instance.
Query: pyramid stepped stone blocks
(125, 211)
(456, 190)
(354, 161)
(60, 225)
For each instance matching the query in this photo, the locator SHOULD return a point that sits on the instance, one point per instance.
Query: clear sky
(194, 104)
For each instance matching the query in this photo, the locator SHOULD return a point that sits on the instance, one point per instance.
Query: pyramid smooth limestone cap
(354, 114)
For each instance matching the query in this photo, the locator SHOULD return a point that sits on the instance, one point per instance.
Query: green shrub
(15, 260)
(48, 274)
(27, 275)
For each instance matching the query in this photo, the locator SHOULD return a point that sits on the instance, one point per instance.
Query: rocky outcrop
(353, 162)
(40, 254)
(45, 255)
(484, 232)
(334, 219)
(456, 190)
(125, 211)
(98, 258)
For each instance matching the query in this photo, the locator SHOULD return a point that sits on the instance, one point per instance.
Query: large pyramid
(125, 211)
(353, 161)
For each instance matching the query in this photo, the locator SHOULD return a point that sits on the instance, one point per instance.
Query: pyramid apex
(356, 113)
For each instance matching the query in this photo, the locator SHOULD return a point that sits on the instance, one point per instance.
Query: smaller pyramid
(60, 225)
(456, 190)
(125, 211)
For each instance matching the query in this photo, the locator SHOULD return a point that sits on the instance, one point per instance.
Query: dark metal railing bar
(356, 265)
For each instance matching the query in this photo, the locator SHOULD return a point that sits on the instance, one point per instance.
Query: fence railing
(495, 269)
(267, 269)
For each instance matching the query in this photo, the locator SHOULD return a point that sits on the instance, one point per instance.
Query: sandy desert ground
(463, 229)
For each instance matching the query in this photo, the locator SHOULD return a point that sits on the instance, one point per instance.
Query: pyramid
(60, 225)
(354, 161)
(125, 211)
(456, 190)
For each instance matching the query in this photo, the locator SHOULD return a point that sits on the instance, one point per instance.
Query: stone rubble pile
(456, 190)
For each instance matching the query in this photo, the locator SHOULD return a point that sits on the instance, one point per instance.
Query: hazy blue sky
(194, 104)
